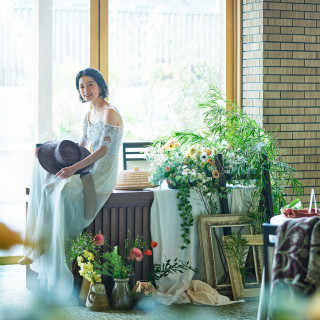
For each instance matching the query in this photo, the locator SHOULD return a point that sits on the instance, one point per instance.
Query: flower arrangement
(186, 167)
(85, 248)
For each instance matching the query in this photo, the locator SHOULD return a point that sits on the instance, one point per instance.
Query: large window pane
(162, 55)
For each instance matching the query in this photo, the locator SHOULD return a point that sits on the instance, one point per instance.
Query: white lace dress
(56, 209)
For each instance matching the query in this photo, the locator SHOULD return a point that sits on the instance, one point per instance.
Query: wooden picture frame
(215, 269)
(240, 291)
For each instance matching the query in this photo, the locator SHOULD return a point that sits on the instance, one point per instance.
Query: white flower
(203, 157)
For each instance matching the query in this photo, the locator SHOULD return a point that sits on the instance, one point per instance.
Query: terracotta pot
(121, 296)
(144, 294)
(97, 299)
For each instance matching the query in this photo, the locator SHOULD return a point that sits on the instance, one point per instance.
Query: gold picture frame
(239, 290)
(211, 229)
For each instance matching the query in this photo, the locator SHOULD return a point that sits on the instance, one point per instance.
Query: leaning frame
(238, 289)
(205, 223)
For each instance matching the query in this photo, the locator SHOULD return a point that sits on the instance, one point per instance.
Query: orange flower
(208, 151)
(148, 252)
(210, 161)
(154, 244)
(215, 174)
(167, 169)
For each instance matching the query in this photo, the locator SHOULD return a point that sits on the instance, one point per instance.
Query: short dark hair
(98, 78)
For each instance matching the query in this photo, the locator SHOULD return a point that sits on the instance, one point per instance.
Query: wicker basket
(133, 180)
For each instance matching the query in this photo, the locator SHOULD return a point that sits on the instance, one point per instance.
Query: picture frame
(252, 289)
(211, 230)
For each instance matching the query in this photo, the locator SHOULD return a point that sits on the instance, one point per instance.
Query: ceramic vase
(97, 299)
(144, 294)
(84, 291)
(121, 295)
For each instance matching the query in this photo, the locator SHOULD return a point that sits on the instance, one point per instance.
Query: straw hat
(55, 155)
(133, 180)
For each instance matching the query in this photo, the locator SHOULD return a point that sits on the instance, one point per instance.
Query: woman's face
(89, 89)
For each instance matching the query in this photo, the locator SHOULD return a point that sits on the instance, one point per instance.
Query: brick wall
(281, 79)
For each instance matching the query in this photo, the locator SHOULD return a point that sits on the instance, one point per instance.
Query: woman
(56, 207)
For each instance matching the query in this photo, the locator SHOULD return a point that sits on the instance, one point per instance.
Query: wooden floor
(17, 302)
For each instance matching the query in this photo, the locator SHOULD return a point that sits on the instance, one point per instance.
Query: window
(162, 56)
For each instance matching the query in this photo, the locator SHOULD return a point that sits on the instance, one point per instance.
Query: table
(165, 229)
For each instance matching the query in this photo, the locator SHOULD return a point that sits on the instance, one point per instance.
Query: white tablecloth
(166, 230)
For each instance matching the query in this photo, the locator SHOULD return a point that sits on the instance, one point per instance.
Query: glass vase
(121, 295)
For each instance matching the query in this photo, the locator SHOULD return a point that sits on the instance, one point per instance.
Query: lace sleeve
(108, 134)
(84, 136)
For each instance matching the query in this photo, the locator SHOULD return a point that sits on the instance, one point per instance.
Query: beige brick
(252, 63)
(252, 70)
(280, 37)
(304, 55)
(312, 95)
(312, 63)
(304, 87)
(303, 151)
(270, 29)
(292, 95)
(280, 86)
(280, 54)
(279, 119)
(271, 95)
(292, 62)
(271, 14)
(280, 6)
(312, 15)
(272, 46)
(312, 47)
(253, 86)
(271, 62)
(291, 143)
(303, 166)
(312, 174)
(271, 127)
(278, 70)
(278, 103)
(293, 46)
(304, 23)
(252, 15)
(304, 119)
(312, 127)
(287, 151)
(311, 79)
(292, 30)
(305, 7)
(271, 78)
(292, 159)
(292, 111)
(280, 22)
(313, 157)
(271, 111)
(304, 103)
(312, 111)
(288, 127)
(303, 38)
(304, 71)
(282, 135)
(312, 31)
(288, 78)
(250, 94)
(304, 135)
(254, 38)
(253, 78)
(252, 55)
(292, 14)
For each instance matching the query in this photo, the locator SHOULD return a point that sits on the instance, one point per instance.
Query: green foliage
(76, 246)
(236, 249)
(168, 267)
(114, 265)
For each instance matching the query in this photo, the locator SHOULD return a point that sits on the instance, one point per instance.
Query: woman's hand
(66, 172)
(36, 152)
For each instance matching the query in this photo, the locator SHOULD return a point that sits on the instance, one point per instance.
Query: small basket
(133, 180)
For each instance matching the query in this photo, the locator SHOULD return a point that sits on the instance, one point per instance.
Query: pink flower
(154, 244)
(148, 252)
(229, 148)
(98, 239)
(167, 169)
(135, 254)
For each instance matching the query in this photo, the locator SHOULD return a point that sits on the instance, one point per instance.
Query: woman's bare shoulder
(112, 116)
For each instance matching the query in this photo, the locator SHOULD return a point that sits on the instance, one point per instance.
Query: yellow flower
(79, 259)
(97, 277)
(91, 256)
(86, 253)
(192, 150)
(215, 151)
